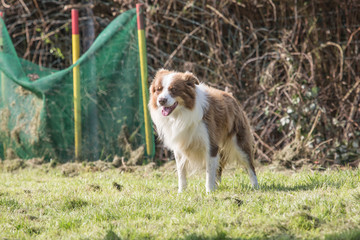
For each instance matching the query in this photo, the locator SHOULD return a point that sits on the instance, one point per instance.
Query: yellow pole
(76, 81)
(144, 77)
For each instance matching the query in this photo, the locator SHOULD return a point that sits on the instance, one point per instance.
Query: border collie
(202, 125)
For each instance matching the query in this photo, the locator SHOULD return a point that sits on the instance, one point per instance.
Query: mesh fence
(37, 118)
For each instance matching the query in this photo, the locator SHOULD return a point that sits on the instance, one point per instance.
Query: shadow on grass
(346, 235)
(267, 187)
(304, 184)
(110, 235)
(299, 187)
(222, 236)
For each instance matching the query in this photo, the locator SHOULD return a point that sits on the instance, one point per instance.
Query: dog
(202, 125)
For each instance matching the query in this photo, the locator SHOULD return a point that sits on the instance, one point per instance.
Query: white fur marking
(181, 171)
(166, 81)
(253, 179)
(183, 127)
(212, 164)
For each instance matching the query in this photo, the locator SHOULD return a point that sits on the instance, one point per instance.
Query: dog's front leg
(181, 170)
(212, 164)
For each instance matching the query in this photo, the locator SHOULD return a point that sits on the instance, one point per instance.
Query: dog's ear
(191, 79)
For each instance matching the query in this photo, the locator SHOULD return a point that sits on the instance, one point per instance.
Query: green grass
(42, 203)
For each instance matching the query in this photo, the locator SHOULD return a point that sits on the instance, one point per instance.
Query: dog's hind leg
(252, 175)
(181, 170)
(244, 155)
(221, 167)
(246, 158)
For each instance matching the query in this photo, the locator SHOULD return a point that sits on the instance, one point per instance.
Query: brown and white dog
(202, 125)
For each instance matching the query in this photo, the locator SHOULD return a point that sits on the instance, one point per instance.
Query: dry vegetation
(294, 65)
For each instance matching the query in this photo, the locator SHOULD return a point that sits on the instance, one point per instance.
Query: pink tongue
(166, 111)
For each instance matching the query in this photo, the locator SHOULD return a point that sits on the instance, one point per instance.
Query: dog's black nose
(162, 101)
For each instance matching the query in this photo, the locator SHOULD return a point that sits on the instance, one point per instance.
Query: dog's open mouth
(167, 110)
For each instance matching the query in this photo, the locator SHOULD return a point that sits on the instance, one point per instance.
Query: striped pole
(76, 81)
(144, 77)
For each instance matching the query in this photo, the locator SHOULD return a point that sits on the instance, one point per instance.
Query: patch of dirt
(117, 161)
(117, 186)
(35, 162)
(150, 167)
(97, 166)
(94, 188)
(30, 217)
(71, 169)
(136, 156)
(169, 166)
(74, 169)
(13, 165)
(128, 169)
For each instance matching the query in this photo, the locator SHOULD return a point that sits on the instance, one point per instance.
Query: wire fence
(294, 65)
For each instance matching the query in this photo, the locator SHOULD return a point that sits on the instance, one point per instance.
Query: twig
(313, 126)
(45, 36)
(351, 37)
(78, 6)
(5, 4)
(263, 155)
(25, 7)
(180, 45)
(228, 21)
(263, 143)
(274, 9)
(351, 90)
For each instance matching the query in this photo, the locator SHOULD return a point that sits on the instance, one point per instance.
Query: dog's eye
(173, 90)
(159, 89)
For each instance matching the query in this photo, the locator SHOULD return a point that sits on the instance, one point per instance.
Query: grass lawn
(47, 203)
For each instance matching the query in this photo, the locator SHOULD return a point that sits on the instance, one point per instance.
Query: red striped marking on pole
(140, 16)
(75, 21)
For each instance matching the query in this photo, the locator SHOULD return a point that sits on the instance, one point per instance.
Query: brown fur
(182, 88)
(225, 118)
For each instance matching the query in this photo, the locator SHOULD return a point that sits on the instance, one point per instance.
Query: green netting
(37, 113)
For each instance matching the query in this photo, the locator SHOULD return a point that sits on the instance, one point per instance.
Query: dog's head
(170, 91)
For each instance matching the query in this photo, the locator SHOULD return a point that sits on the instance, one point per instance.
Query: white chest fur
(184, 128)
